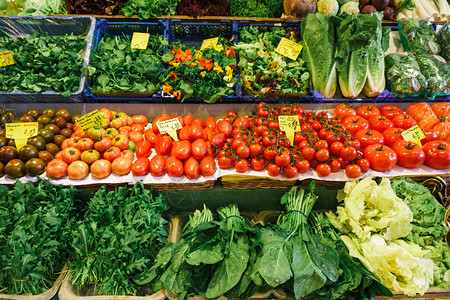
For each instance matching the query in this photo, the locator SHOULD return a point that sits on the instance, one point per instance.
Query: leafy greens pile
(212, 258)
(256, 9)
(146, 9)
(372, 222)
(266, 72)
(436, 71)
(418, 36)
(115, 67)
(428, 229)
(443, 37)
(43, 63)
(361, 44)
(35, 223)
(43, 8)
(119, 237)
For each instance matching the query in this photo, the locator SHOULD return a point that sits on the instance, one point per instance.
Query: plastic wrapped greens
(404, 75)
(443, 37)
(419, 37)
(437, 73)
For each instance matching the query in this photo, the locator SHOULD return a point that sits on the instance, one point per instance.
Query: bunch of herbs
(120, 236)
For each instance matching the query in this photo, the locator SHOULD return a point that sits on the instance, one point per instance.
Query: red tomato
(355, 123)
(335, 148)
(308, 153)
(103, 144)
(321, 144)
(184, 134)
(369, 137)
(368, 110)
(243, 151)
(218, 140)
(290, 171)
(112, 153)
(140, 167)
(364, 164)
(335, 165)
(198, 149)
(70, 154)
(211, 122)
(390, 111)
(101, 168)
(409, 154)
(157, 165)
(392, 135)
(140, 119)
(163, 145)
(381, 157)
(353, 171)
(174, 166)
(437, 154)
(121, 165)
(380, 123)
(302, 166)
(136, 137)
(121, 141)
(323, 170)
(225, 128)
(344, 110)
(352, 142)
(191, 168)
(332, 137)
(138, 128)
(348, 153)
(404, 121)
(207, 166)
(78, 170)
(430, 135)
(257, 164)
(85, 144)
(420, 110)
(56, 168)
(225, 162)
(270, 153)
(182, 149)
(256, 150)
(273, 169)
(188, 119)
(127, 153)
(143, 149)
(241, 166)
(89, 156)
(322, 155)
(150, 136)
(195, 131)
(283, 159)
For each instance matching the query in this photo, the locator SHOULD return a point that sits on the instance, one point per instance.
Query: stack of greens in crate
(266, 72)
(119, 237)
(35, 223)
(43, 62)
(116, 68)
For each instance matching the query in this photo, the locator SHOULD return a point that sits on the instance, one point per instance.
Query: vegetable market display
(336, 145)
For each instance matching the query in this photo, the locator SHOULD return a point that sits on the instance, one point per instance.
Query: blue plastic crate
(122, 29)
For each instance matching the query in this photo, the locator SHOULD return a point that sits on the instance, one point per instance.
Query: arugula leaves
(35, 223)
(115, 67)
(120, 236)
(43, 63)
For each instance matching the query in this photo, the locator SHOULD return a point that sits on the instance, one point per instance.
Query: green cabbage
(328, 7)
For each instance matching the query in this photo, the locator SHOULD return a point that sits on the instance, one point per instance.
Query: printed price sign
(290, 125)
(413, 134)
(20, 132)
(289, 48)
(140, 40)
(209, 43)
(170, 126)
(6, 59)
(91, 119)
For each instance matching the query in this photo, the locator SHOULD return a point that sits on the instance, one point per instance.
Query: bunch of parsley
(35, 223)
(120, 236)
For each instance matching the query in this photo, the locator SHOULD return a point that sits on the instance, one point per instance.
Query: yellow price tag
(290, 125)
(170, 126)
(413, 134)
(20, 132)
(6, 59)
(209, 43)
(289, 48)
(91, 119)
(140, 40)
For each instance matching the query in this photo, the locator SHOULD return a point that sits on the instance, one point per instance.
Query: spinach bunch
(292, 255)
(43, 63)
(212, 258)
(354, 280)
(146, 9)
(35, 223)
(115, 67)
(120, 236)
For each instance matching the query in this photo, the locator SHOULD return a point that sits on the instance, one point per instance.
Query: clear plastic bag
(437, 73)
(418, 37)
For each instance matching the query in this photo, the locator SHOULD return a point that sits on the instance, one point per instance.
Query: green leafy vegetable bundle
(319, 41)
(404, 75)
(419, 37)
(43, 63)
(116, 68)
(207, 74)
(256, 9)
(443, 37)
(373, 221)
(35, 223)
(43, 8)
(266, 72)
(120, 236)
(211, 259)
(428, 230)
(436, 71)
(146, 9)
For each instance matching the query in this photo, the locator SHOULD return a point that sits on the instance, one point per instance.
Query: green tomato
(131, 146)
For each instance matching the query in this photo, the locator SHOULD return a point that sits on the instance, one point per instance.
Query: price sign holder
(20, 132)
(290, 125)
(170, 126)
(91, 119)
(414, 134)
(140, 40)
(6, 59)
(209, 43)
(289, 48)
